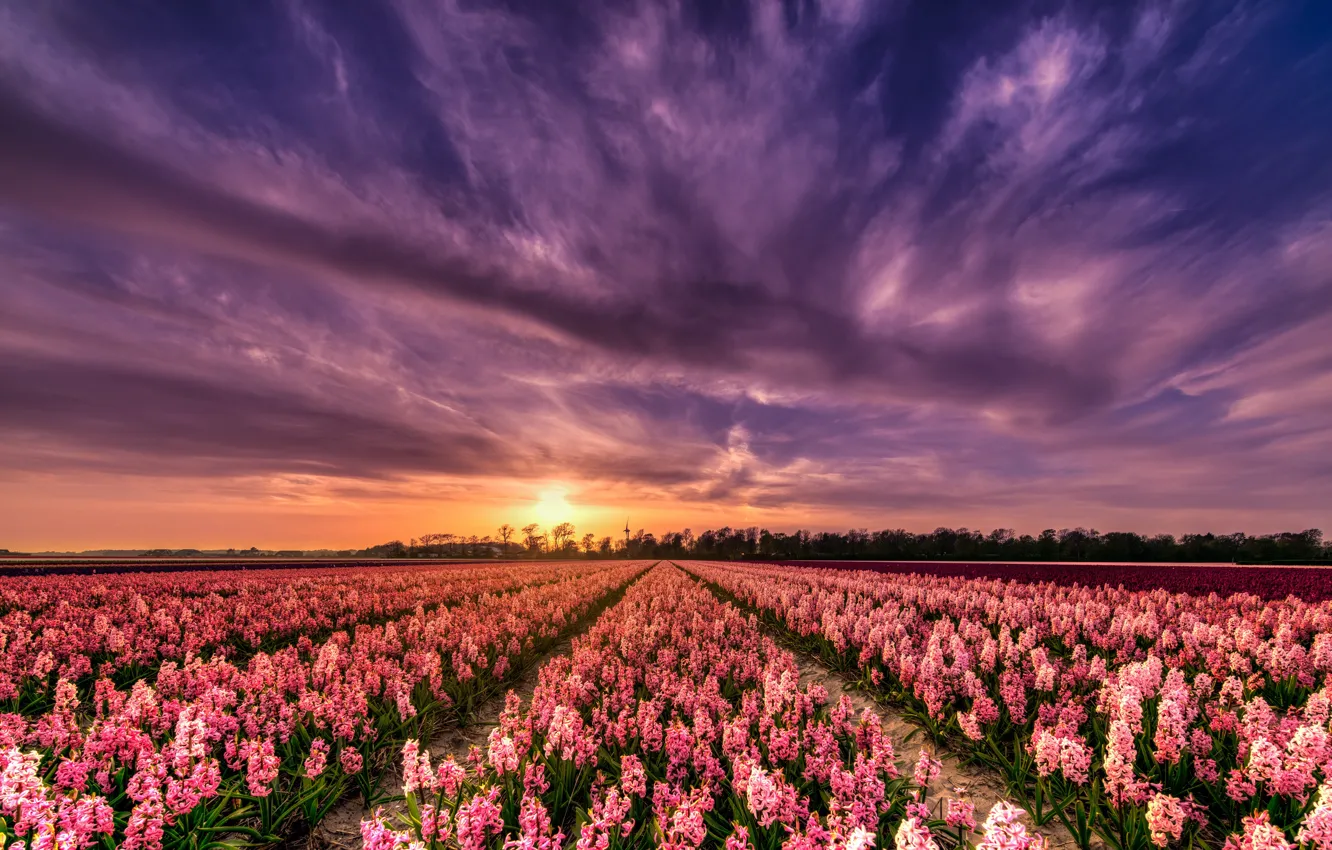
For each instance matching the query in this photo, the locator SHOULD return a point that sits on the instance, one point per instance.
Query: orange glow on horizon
(47, 513)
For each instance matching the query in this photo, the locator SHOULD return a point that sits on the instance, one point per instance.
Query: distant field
(111, 566)
(1313, 584)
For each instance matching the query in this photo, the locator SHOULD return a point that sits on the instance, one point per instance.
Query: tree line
(960, 544)
(561, 541)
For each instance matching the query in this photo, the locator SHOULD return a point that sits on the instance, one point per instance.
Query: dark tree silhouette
(896, 544)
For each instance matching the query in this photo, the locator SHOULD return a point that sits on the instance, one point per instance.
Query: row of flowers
(83, 627)
(211, 753)
(1144, 718)
(1312, 584)
(675, 723)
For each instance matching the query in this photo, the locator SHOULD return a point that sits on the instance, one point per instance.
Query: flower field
(227, 709)
(234, 709)
(1137, 718)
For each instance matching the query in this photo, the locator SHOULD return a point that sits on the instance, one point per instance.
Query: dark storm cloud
(211, 428)
(735, 252)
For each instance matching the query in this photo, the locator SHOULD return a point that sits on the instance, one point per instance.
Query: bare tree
(562, 534)
(531, 538)
(505, 532)
(589, 543)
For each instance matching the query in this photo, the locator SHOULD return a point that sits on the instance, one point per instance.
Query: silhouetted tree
(562, 534)
(531, 538)
(962, 544)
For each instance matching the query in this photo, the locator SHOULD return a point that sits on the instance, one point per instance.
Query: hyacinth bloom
(914, 834)
(31, 809)
(1316, 830)
(1137, 710)
(1003, 830)
(1259, 834)
(927, 769)
(961, 815)
(1166, 819)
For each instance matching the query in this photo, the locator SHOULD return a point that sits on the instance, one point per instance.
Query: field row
(207, 752)
(1312, 584)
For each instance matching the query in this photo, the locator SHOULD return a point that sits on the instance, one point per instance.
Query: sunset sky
(301, 274)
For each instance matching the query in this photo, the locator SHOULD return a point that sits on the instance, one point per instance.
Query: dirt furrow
(342, 827)
(972, 783)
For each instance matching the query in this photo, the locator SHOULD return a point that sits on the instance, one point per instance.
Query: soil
(960, 781)
(342, 827)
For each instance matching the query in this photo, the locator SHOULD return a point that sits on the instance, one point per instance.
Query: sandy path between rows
(977, 785)
(342, 827)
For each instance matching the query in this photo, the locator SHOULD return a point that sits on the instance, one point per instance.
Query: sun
(552, 507)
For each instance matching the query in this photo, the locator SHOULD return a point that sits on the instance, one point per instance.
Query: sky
(326, 274)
